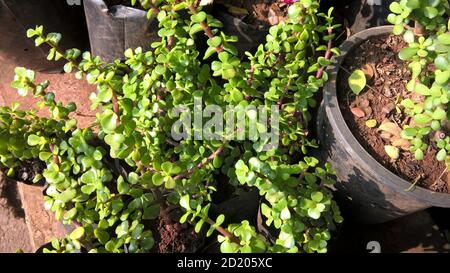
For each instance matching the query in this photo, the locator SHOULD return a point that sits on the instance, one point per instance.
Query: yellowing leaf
(371, 123)
(392, 152)
(357, 81)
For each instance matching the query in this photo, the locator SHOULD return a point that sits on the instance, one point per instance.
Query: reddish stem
(224, 232)
(200, 165)
(206, 28)
(116, 106)
(55, 157)
(328, 54)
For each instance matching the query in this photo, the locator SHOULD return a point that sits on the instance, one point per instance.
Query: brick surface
(42, 225)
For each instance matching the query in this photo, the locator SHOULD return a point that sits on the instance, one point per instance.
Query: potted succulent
(384, 115)
(142, 176)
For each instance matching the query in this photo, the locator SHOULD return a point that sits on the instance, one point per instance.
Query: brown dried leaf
(368, 111)
(363, 103)
(400, 142)
(386, 136)
(390, 127)
(358, 112)
(368, 70)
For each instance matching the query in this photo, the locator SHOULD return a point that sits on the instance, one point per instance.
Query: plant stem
(55, 157)
(201, 164)
(116, 106)
(206, 28)
(224, 232)
(328, 54)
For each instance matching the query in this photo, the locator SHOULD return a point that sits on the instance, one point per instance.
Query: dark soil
(27, 171)
(390, 75)
(173, 237)
(260, 12)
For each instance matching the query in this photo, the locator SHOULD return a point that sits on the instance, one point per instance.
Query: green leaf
(313, 213)
(228, 73)
(158, 179)
(441, 155)
(408, 36)
(422, 89)
(215, 41)
(133, 178)
(444, 38)
(147, 243)
(442, 77)
(220, 219)
(122, 186)
(418, 154)
(199, 17)
(151, 212)
(396, 8)
(170, 182)
(199, 225)
(357, 81)
(89, 177)
(439, 114)
(33, 140)
(285, 214)
(109, 121)
(184, 202)
(209, 52)
(160, 69)
(77, 233)
(67, 195)
(422, 118)
(101, 235)
(195, 28)
(430, 12)
(317, 196)
(407, 53)
(398, 29)
(44, 156)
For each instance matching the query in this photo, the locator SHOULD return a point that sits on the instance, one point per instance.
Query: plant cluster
(115, 177)
(428, 55)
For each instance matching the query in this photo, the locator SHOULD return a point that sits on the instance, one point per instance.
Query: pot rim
(356, 150)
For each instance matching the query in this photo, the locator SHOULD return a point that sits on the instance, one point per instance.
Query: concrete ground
(13, 229)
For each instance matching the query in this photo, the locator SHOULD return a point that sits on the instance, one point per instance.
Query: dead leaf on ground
(368, 70)
(400, 142)
(358, 112)
(390, 127)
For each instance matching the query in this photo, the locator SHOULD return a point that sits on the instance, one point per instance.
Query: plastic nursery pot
(58, 16)
(249, 36)
(364, 14)
(115, 29)
(370, 192)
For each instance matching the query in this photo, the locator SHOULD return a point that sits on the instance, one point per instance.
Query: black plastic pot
(56, 16)
(364, 14)
(249, 36)
(372, 193)
(115, 29)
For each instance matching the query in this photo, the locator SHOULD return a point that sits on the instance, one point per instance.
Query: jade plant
(112, 179)
(425, 27)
